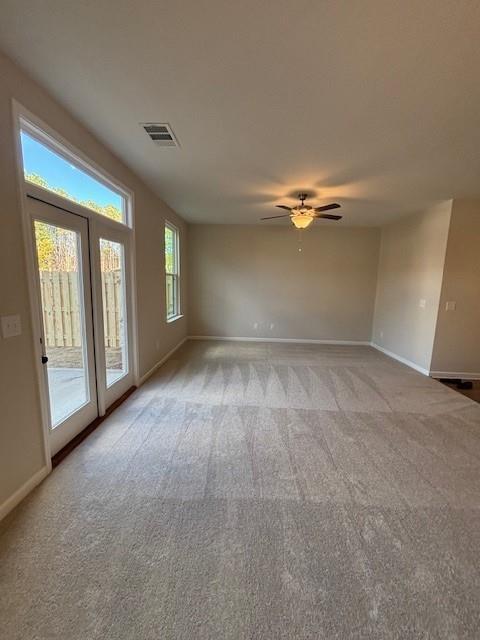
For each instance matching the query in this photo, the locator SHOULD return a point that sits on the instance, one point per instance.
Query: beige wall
(242, 275)
(410, 269)
(457, 339)
(21, 453)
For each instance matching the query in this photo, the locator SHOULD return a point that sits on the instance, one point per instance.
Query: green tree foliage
(36, 179)
(169, 251)
(108, 210)
(56, 247)
(45, 246)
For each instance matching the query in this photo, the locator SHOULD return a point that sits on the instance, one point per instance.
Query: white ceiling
(371, 103)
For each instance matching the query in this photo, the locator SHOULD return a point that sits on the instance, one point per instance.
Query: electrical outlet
(381, 335)
(11, 326)
(272, 326)
(450, 306)
(422, 303)
(255, 325)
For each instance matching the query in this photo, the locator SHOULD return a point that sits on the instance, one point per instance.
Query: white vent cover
(161, 133)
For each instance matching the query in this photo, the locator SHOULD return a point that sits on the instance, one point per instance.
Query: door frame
(73, 424)
(23, 118)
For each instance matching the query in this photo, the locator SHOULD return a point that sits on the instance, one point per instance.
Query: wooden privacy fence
(61, 309)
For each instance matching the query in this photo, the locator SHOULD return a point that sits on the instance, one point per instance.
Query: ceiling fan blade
(327, 207)
(328, 216)
(285, 215)
(283, 206)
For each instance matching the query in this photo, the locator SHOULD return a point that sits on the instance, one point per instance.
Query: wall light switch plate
(422, 303)
(450, 306)
(11, 326)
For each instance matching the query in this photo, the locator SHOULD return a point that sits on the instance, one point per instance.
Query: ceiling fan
(303, 214)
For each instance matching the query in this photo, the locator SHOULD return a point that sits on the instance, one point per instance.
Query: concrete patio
(68, 390)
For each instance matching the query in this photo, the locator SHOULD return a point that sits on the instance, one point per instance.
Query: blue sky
(60, 173)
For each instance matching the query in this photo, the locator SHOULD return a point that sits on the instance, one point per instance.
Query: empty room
(239, 320)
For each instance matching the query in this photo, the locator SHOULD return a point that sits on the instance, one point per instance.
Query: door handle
(44, 359)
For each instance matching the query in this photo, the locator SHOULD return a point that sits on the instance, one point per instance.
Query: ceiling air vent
(160, 133)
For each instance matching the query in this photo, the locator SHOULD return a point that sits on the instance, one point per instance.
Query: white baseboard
(401, 359)
(11, 502)
(462, 375)
(160, 362)
(292, 340)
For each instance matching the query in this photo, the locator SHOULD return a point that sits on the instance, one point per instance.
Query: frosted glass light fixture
(301, 220)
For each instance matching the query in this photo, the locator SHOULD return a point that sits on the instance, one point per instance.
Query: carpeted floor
(258, 492)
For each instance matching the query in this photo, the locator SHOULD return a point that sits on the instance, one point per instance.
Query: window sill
(173, 318)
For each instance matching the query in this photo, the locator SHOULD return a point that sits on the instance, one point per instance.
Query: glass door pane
(61, 289)
(112, 263)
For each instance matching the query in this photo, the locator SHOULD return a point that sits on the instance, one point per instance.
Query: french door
(110, 255)
(83, 290)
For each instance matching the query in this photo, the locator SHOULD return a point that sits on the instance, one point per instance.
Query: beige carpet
(258, 491)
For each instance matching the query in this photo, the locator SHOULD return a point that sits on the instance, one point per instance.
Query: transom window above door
(48, 166)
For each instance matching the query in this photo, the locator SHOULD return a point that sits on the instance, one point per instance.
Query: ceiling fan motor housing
(302, 207)
(303, 214)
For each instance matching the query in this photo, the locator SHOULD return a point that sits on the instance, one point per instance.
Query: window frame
(177, 312)
(61, 148)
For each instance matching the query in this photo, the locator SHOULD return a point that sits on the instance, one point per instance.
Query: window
(59, 173)
(112, 264)
(172, 271)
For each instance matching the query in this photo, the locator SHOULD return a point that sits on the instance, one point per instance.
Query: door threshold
(70, 446)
